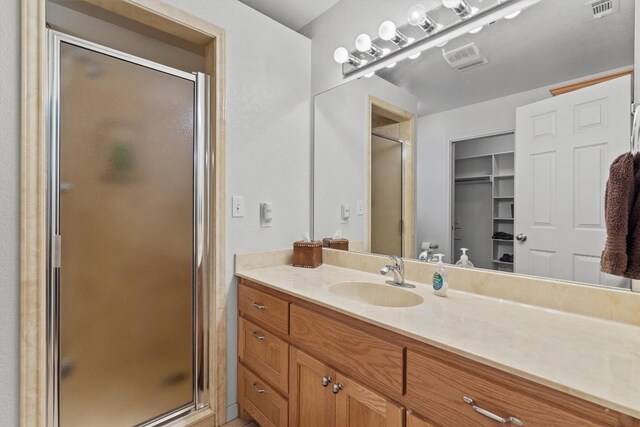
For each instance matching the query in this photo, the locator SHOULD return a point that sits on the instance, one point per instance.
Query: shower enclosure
(128, 209)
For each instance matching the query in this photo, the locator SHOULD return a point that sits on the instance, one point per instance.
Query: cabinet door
(415, 421)
(358, 406)
(311, 402)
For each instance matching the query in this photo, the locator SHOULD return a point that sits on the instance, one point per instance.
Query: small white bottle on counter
(440, 282)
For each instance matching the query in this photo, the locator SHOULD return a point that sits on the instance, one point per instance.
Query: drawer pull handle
(491, 415)
(258, 389)
(336, 388)
(259, 306)
(257, 336)
(326, 380)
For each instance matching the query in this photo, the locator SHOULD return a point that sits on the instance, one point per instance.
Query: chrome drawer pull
(336, 388)
(259, 306)
(258, 389)
(326, 380)
(257, 336)
(491, 415)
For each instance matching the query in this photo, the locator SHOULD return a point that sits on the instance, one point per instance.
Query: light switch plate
(360, 207)
(345, 213)
(237, 206)
(266, 214)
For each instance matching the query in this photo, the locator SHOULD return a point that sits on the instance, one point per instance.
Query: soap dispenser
(440, 282)
(464, 260)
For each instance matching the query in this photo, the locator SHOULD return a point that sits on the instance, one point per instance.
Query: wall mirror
(499, 142)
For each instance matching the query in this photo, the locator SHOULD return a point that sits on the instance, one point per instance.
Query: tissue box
(339, 244)
(307, 254)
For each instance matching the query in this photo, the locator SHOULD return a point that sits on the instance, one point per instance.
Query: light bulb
(341, 55)
(476, 30)
(415, 55)
(415, 14)
(512, 15)
(451, 3)
(387, 30)
(363, 43)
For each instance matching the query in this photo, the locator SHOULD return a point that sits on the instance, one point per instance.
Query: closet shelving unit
(503, 203)
(483, 196)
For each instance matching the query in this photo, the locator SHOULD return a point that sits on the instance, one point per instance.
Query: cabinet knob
(336, 388)
(326, 380)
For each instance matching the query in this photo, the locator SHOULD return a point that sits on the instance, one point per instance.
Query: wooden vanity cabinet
(302, 365)
(322, 397)
(414, 420)
(359, 406)
(312, 401)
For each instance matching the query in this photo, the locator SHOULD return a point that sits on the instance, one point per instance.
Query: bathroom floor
(240, 423)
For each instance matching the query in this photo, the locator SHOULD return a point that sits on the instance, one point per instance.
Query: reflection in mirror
(508, 158)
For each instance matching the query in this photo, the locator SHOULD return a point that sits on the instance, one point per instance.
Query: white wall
(9, 212)
(340, 141)
(637, 46)
(268, 137)
(268, 157)
(435, 133)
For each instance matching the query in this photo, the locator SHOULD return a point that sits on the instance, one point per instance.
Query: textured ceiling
(553, 41)
(295, 14)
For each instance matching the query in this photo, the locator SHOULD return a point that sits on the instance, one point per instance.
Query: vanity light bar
(355, 63)
(460, 7)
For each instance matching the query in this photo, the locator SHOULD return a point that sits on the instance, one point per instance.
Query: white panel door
(564, 146)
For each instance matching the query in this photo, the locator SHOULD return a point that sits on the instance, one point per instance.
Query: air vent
(602, 8)
(465, 58)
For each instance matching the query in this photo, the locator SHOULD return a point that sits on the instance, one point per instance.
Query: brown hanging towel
(633, 238)
(618, 201)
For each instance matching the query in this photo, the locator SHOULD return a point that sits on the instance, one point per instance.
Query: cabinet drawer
(437, 389)
(268, 310)
(261, 401)
(265, 353)
(373, 359)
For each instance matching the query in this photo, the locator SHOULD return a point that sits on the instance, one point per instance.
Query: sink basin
(376, 294)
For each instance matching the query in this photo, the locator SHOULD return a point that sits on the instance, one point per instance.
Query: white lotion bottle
(440, 282)
(464, 260)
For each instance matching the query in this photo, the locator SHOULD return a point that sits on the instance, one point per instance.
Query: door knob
(521, 237)
(326, 380)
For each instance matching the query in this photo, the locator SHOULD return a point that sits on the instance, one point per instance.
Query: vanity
(338, 346)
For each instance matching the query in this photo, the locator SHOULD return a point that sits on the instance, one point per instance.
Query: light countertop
(593, 359)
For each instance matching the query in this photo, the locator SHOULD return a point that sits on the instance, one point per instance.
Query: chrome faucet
(398, 272)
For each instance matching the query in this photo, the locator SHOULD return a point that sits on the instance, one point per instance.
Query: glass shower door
(125, 213)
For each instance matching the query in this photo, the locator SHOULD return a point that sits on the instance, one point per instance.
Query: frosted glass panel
(126, 221)
(386, 196)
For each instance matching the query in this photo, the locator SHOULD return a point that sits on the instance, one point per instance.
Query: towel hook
(635, 130)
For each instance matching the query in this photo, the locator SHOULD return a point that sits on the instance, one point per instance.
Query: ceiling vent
(465, 58)
(602, 8)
